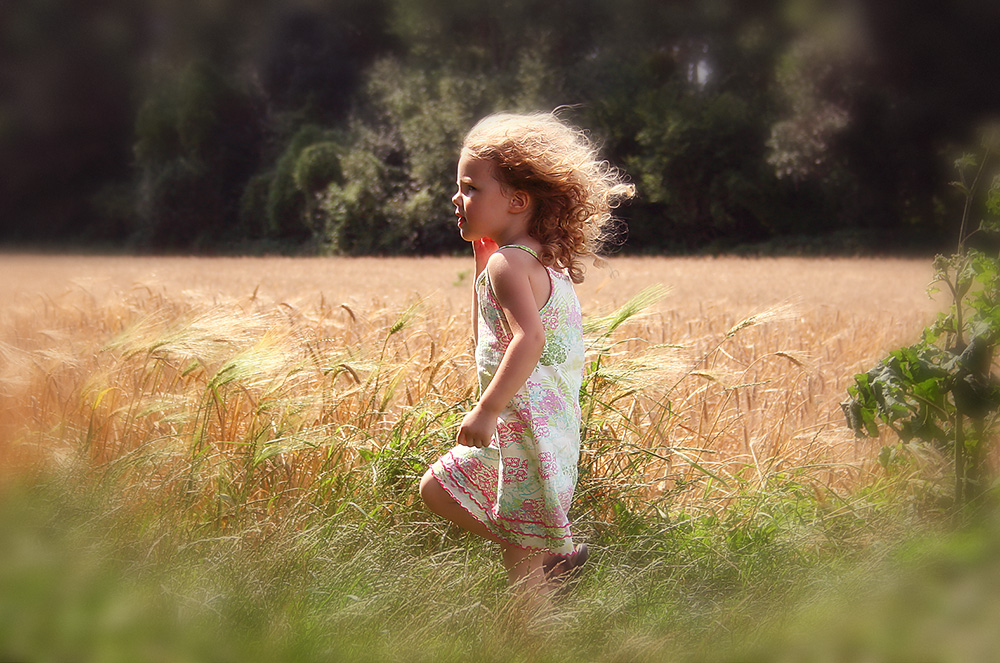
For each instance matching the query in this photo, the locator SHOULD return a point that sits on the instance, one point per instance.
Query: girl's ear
(520, 201)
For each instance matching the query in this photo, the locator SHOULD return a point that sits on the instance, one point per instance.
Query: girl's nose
(454, 199)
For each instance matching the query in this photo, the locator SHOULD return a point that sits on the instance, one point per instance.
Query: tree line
(332, 126)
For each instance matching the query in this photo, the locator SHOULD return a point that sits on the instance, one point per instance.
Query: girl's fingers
(465, 440)
(470, 442)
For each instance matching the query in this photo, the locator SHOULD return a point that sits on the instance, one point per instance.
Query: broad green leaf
(931, 390)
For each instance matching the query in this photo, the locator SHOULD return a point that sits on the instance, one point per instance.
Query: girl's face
(481, 204)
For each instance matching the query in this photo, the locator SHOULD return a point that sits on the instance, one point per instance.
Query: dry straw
(241, 408)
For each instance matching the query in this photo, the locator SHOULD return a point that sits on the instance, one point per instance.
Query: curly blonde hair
(574, 192)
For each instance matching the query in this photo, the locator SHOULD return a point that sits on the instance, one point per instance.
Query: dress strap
(522, 247)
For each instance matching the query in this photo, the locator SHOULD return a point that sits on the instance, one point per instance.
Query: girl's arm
(509, 276)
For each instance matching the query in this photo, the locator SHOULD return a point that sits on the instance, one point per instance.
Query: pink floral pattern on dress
(521, 486)
(509, 432)
(515, 469)
(547, 467)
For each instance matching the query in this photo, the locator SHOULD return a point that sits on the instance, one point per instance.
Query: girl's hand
(477, 428)
(483, 249)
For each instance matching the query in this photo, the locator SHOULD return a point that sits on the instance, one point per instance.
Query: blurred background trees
(333, 125)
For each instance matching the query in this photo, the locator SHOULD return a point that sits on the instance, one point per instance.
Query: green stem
(969, 195)
(960, 470)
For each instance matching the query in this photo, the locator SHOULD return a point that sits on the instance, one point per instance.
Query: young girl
(534, 200)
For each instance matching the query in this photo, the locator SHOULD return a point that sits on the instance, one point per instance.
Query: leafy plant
(940, 390)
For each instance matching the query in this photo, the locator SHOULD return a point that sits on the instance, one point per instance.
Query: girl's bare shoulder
(517, 259)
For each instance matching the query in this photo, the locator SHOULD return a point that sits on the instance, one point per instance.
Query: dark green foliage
(701, 158)
(66, 111)
(197, 143)
(317, 57)
(284, 199)
(908, 390)
(177, 125)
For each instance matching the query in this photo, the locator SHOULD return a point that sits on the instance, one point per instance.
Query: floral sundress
(522, 484)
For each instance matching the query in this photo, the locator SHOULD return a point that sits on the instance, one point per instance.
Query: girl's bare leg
(526, 577)
(440, 502)
(524, 567)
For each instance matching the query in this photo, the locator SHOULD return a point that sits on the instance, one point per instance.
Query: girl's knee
(430, 491)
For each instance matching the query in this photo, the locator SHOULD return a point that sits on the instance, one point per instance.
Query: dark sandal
(563, 569)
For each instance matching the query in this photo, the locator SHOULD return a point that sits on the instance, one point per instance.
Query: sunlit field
(195, 447)
(754, 355)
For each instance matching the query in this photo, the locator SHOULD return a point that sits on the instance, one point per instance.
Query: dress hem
(503, 540)
(458, 467)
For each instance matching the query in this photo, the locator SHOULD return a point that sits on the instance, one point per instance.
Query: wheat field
(228, 451)
(723, 366)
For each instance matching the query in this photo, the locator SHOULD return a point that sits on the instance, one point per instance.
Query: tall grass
(216, 478)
